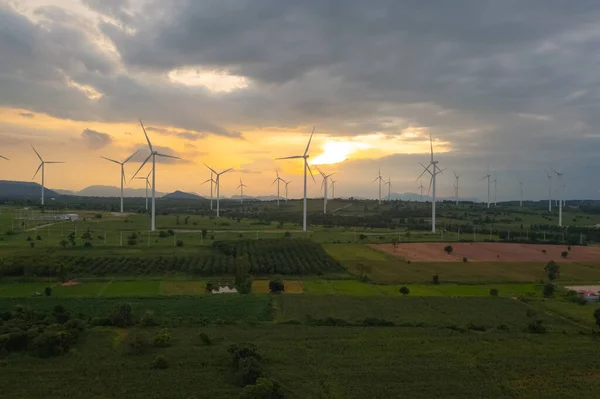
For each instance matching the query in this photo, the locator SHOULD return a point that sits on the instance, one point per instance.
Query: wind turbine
(153, 155)
(218, 183)
(212, 181)
(389, 184)
(488, 177)
(380, 180)
(277, 180)
(305, 157)
(560, 196)
(434, 172)
(495, 190)
(549, 191)
(122, 164)
(43, 168)
(333, 188)
(286, 189)
(456, 186)
(521, 189)
(147, 179)
(324, 186)
(421, 188)
(241, 187)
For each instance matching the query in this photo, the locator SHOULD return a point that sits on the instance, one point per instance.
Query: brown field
(490, 252)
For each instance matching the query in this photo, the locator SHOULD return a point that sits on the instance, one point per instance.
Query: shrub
(536, 327)
(121, 315)
(131, 241)
(436, 279)
(87, 244)
(375, 322)
(493, 292)
(100, 321)
(163, 234)
(179, 243)
(242, 351)
(160, 363)
(448, 249)
(162, 339)
(209, 287)
(552, 270)
(136, 343)
(148, 319)
(597, 316)
(287, 234)
(276, 286)
(39, 237)
(171, 232)
(549, 290)
(64, 243)
(205, 339)
(264, 388)
(32, 244)
(465, 260)
(404, 290)
(51, 342)
(564, 254)
(476, 327)
(48, 291)
(247, 372)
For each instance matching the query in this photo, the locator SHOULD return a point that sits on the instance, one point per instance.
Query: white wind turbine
(153, 155)
(147, 180)
(324, 186)
(277, 180)
(456, 186)
(122, 164)
(218, 184)
(549, 191)
(495, 190)
(305, 157)
(560, 196)
(521, 192)
(488, 177)
(380, 181)
(435, 170)
(212, 181)
(333, 188)
(241, 187)
(389, 184)
(421, 188)
(43, 168)
(286, 189)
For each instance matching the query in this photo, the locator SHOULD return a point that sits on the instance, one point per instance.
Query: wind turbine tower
(456, 187)
(212, 181)
(549, 191)
(380, 181)
(488, 177)
(43, 168)
(435, 170)
(147, 180)
(277, 180)
(521, 190)
(122, 164)
(421, 188)
(560, 196)
(286, 189)
(333, 188)
(324, 186)
(153, 155)
(304, 157)
(241, 187)
(495, 191)
(218, 184)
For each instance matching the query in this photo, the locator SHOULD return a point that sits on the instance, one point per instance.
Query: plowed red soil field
(490, 252)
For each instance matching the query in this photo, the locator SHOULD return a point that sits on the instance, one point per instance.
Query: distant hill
(21, 189)
(259, 198)
(181, 195)
(111, 191)
(417, 197)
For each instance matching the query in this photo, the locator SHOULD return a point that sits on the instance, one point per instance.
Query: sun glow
(215, 81)
(338, 151)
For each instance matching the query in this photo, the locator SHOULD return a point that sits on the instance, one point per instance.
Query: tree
(494, 292)
(64, 243)
(364, 271)
(552, 270)
(276, 286)
(160, 362)
(404, 290)
(264, 388)
(121, 315)
(179, 243)
(209, 287)
(448, 249)
(436, 279)
(549, 290)
(395, 243)
(204, 233)
(564, 254)
(48, 291)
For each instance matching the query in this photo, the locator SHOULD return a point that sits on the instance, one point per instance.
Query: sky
(507, 85)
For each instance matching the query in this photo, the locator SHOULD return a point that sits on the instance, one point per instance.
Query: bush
(564, 254)
(39, 238)
(209, 287)
(131, 241)
(179, 243)
(287, 234)
(536, 327)
(404, 290)
(136, 343)
(51, 342)
(87, 244)
(121, 315)
(264, 388)
(100, 321)
(160, 363)
(436, 279)
(247, 372)
(375, 322)
(163, 234)
(48, 291)
(549, 290)
(205, 339)
(148, 319)
(162, 339)
(552, 270)
(276, 286)
(448, 249)
(493, 292)
(32, 244)
(242, 351)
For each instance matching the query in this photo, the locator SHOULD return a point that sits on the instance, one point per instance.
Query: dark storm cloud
(509, 82)
(95, 140)
(27, 115)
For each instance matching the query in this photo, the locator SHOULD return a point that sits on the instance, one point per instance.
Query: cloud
(95, 140)
(184, 135)
(27, 115)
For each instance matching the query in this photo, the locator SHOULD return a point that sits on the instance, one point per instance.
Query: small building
(225, 290)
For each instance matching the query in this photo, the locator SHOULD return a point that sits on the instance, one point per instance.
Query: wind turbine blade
(294, 157)
(143, 164)
(53, 162)
(331, 174)
(146, 134)
(225, 171)
(167, 156)
(311, 173)
(3, 157)
(421, 175)
(37, 171)
(277, 172)
(211, 169)
(207, 181)
(430, 183)
(309, 140)
(111, 160)
(37, 153)
(274, 181)
(320, 171)
(431, 145)
(131, 156)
